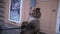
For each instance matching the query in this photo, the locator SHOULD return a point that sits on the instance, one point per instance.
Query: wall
(1, 12)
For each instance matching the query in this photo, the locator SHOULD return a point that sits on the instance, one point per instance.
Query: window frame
(20, 17)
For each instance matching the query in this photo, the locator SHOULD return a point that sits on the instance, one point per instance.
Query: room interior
(49, 20)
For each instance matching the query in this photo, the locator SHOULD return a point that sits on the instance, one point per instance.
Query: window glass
(32, 3)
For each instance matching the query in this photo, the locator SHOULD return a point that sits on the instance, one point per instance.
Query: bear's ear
(37, 8)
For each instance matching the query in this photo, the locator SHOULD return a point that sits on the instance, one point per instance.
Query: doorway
(58, 19)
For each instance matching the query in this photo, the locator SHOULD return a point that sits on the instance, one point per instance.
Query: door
(48, 15)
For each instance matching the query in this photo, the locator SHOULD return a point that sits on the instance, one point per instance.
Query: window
(15, 9)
